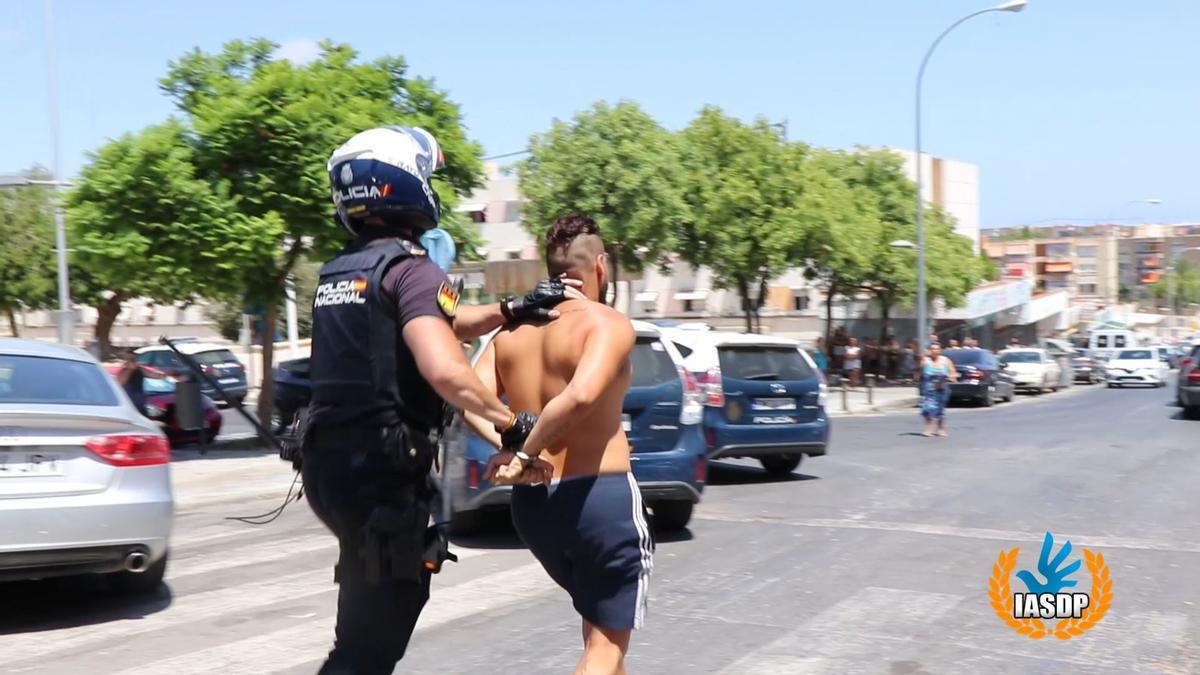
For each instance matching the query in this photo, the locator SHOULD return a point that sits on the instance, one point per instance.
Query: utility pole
(66, 317)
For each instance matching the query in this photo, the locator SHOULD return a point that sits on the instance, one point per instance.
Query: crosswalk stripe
(191, 608)
(202, 605)
(297, 645)
(861, 620)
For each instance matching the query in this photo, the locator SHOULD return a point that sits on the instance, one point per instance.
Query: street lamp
(922, 319)
(902, 243)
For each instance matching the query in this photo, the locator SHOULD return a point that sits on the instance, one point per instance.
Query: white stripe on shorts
(644, 545)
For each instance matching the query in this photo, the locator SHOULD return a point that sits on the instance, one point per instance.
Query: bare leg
(603, 651)
(941, 423)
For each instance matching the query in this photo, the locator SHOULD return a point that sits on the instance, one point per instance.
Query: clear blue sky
(1071, 109)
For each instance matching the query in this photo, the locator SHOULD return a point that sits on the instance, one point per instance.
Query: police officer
(386, 354)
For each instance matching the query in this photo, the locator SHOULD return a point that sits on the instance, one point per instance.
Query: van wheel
(1192, 412)
(672, 515)
(781, 465)
(141, 583)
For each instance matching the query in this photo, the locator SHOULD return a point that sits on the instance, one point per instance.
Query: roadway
(873, 559)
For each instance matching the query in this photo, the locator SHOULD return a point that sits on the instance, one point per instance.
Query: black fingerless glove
(537, 303)
(514, 437)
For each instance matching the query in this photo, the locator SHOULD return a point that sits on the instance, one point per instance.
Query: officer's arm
(472, 321)
(485, 368)
(442, 363)
(605, 353)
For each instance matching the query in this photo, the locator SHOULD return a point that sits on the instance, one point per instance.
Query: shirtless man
(588, 526)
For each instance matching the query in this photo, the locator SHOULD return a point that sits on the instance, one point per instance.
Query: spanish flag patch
(447, 299)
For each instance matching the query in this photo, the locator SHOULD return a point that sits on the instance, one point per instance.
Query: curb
(890, 406)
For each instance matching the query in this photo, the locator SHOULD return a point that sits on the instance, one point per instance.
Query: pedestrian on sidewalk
(892, 361)
(853, 367)
(837, 362)
(908, 362)
(937, 372)
(819, 356)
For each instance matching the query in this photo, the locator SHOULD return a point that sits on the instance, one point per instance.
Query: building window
(1087, 268)
(1086, 251)
(800, 303)
(478, 217)
(687, 305)
(1015, 258)
(1087, 289)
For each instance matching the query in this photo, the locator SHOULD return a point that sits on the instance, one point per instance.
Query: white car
(1138, 366)
(85, 482)
(1032, 369)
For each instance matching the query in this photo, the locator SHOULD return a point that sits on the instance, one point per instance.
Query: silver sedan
(85, 483)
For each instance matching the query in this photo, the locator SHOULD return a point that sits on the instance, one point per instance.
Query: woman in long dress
(937, 372)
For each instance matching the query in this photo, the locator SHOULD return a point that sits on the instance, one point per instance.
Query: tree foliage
(27, 254)
(1179, 286)
(743, 186)
(227, 198)
(618, 166)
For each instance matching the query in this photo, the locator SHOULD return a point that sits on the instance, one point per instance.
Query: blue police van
(662, 416)
(764, 398)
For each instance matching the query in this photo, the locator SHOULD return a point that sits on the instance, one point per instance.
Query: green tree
(987, 267)
(1179, 286)
(143, 224)
(261, 130)
(843, 217)
(616, 165)
(952, 266)
(27, 255)
(743, 186)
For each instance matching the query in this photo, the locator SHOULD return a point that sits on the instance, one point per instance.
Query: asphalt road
(874, 559)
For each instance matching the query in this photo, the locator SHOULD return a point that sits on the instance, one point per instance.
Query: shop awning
(691, 295)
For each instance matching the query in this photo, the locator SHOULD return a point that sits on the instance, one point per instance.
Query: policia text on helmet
(386, 357)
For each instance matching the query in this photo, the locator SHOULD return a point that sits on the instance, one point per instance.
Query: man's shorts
(592, 535)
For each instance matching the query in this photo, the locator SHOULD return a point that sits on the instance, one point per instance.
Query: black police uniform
(368, 446)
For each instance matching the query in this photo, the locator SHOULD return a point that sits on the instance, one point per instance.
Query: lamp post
(66, 319)
(922, 310)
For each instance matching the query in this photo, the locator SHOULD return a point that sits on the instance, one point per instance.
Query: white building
(951, 184)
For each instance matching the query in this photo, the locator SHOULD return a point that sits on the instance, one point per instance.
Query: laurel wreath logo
(1001, 598)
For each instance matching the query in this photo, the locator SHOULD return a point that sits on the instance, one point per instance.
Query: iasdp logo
(1052, 603)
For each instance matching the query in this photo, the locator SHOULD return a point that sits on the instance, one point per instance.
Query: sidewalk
(877, 399)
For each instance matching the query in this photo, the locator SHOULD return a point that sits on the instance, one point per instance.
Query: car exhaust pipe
(136, 562)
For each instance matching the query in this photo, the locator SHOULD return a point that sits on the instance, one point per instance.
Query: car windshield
(1020, 357)
(764, 363)
(966, 357)
(1136, 355)
(158, 385)
(650, 363)
(214, 357)
(37, 379)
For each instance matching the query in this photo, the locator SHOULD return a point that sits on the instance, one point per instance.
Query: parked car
(160, 407)
(1188, 385)
(218, 363)
(980, 377)
(1031, 369)
(293, 391)
(661, 415)
(86, 484)
(1167, 354)
(1063, 353)
(1088, 369)
(1137, 366)
(764, 397)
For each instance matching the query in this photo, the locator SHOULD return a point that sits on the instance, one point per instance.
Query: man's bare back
(535, 363)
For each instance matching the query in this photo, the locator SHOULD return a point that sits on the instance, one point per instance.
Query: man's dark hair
(566, 229)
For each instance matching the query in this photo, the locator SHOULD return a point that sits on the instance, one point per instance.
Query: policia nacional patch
(447, 299)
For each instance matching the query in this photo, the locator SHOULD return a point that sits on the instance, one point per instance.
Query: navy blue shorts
(592, 535)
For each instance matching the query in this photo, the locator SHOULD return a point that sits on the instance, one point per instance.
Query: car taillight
(1194, 376)
(701, 467)
(1185, 363)
(714, 393)
(208, 370)
(473, 475)
(692, 411)
(130, 449)
(822, 391)
(974, 374)
(710, 437)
